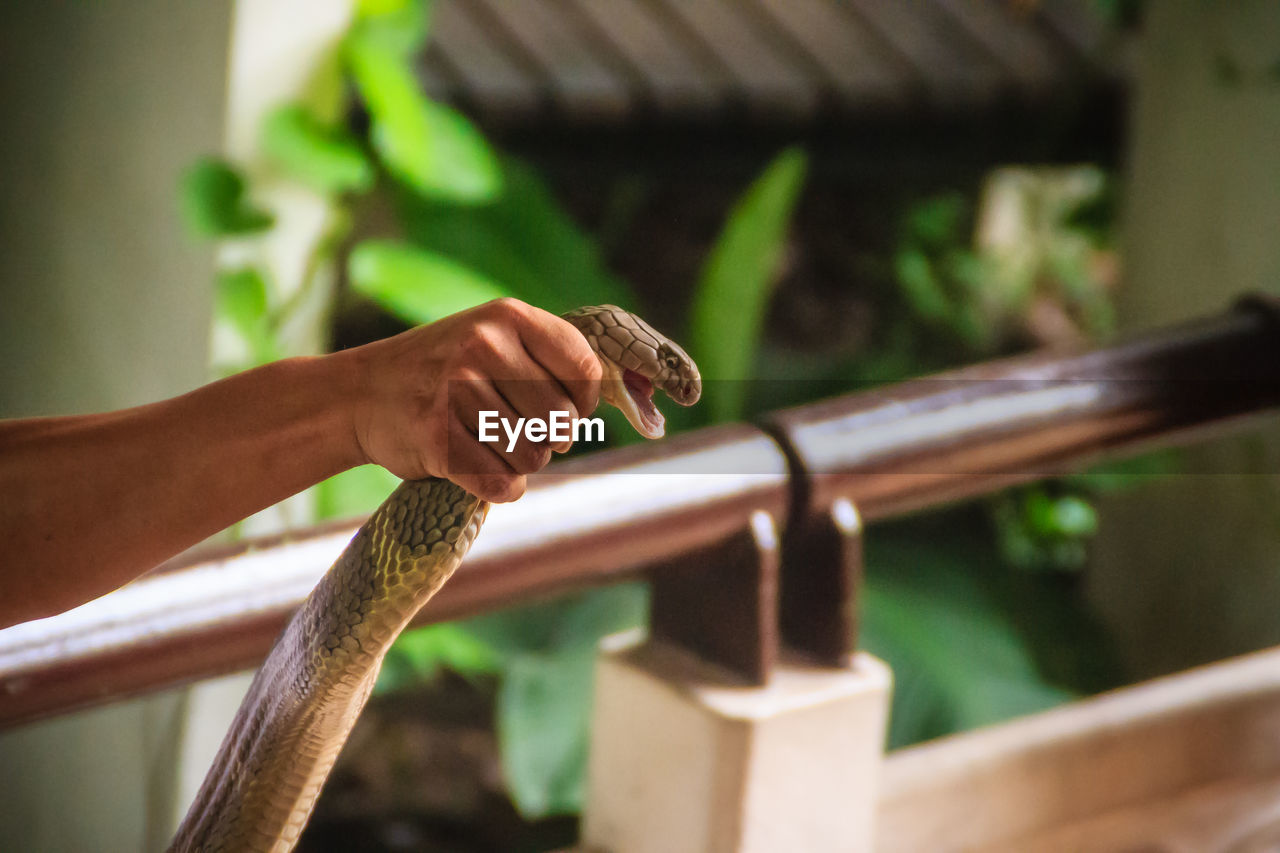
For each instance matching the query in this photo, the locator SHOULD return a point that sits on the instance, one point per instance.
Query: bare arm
(92, 501)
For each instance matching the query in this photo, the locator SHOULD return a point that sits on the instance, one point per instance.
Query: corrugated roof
(612, 62)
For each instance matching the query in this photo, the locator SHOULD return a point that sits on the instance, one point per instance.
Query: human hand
(421, 392)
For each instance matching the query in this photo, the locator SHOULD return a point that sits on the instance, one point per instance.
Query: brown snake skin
(306, 696)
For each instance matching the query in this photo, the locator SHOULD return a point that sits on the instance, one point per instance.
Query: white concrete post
(681, 762)
(1202, 198)
(104, 303)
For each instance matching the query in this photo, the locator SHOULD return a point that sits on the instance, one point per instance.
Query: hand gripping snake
(306, 696)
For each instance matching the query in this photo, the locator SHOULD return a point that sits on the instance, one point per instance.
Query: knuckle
(463, 387)
(508, 306)
(501, 488)
(465, 373)
(482, 339)
(530, 458)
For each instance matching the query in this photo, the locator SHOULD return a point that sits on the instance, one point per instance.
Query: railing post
(683, 761)
(713, 735)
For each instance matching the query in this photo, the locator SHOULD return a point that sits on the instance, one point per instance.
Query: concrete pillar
(1187, 570)
(683, 762)
(104, 303)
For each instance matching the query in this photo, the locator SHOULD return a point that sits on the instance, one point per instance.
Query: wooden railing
(618, 514)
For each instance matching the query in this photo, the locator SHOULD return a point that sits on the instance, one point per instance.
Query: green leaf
(959, 658)
(935, 222)
(524, 240)
(381, 8)
(354, 493)
(416, 285)
(240, 301)
(328, 159)
(1043, 530)
(921, 287)
(1038, 511)
(733, 290)
(418, 655)
(520, 630)
(1074, 517)
(544, 703)
(596, 615)
(430, 147)
(572, 622)
(399, 25)
(213, 202)
(544, 708)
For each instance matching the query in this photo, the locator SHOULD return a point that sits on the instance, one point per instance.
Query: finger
(523, 455)
(538, 398)
(526, 386)
(476, 467)
(564, 353)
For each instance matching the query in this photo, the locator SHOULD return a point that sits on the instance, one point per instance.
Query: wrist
(343, 378)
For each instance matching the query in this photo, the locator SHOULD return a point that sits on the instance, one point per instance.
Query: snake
(303, 701)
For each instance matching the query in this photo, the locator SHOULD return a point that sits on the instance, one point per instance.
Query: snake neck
(306, 696)
(397, 561)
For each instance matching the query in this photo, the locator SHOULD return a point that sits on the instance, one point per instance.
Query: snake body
(304, 700)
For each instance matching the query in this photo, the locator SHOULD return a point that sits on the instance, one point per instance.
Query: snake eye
(672, 361)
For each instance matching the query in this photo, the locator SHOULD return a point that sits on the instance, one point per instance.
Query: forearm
(92, 501)
(88, 503)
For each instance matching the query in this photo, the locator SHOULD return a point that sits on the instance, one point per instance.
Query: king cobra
(306, 696)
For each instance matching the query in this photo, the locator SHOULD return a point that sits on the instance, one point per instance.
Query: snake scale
(303, 701)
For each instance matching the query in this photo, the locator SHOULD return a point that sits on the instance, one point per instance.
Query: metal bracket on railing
(822, 567)
(820, 580)
(737, 602)
(721, 602)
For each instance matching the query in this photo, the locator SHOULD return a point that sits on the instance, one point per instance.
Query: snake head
(637, 359)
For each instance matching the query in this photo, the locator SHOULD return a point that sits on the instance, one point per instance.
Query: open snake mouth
(640, 389)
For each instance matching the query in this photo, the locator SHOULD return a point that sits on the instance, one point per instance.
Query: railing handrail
(606, 516)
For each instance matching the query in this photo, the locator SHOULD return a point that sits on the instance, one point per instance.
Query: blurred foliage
(1031, 265)
(544, 703)
(241, 300)
(426, 145)
(545, 657)
(1040, 528)
(419, 654)
(731, 297)
(213, 202)
(328, 159)
(417, 285)
(971, 666)
(523, 239)
(970, 641)
(942, 280)
(1047, 526)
